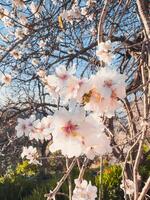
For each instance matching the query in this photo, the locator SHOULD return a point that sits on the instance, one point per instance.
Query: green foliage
(26, 169)
(26, 183)
(111, 180)
(39, 192)
(44, 187)
(146, 148)
(144, 167)
(21, 186)
(17, 183)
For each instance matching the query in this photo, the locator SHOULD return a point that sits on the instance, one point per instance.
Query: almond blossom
(104, 90)
(50, 82)
(104, 52)
(6, 79)
(84, 11)
(75, 134)
(62, 74)
(83, 89)
(70, 89)
(84, 191)
(41, 73)
(31, 154)
(23, 20)
(57, 83)
(72, 14)
(7, 22)
(16, 54)
(19, 33)
(2, 12)
(127, 186)
(35, 61)
(42, 44)
(35, 9)
(18, 3)
(41, 129)
(90, 2)
(96, 141)
(66, 132)
(24, 126)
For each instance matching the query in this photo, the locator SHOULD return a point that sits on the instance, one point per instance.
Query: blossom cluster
(31, 154)
(6, 79)
(34, 129)
(72, 14)
(84, 190)
(75, 134)
(99, 94)
(104, 52)
(127, 186)
(78, 130)
(76, 13)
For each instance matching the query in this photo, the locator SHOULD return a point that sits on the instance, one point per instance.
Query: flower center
(24, 127)
(108, 83)
(94, 95)
(70, 129)
(80, 83)
(63, 76)
(113, 95)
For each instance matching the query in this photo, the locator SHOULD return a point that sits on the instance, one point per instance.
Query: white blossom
(84, 11)
(35, 61)
(2, 12)
(41, 73)
(7, 22)
(6, 79)
(90, 2)
(19, 33)
(24, 126)
(18, 3)
(104, 90)
(104, 52)
(41, 129)
(42, 43)
(23, 20)
(73, 14)
(5, 12)
(62, 82)
(84, 191)
(127, 186)
(75, 134)
(70, 89)
(90, 17)
(66, 132)
(31, 154)
(16, 54)
(35, 9)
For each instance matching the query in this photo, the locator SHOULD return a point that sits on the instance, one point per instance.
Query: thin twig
(52, 194)
(83, 169)
(145, 189)
(101, 21)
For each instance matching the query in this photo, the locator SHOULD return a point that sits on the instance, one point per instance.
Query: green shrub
(111, 180)
(44, 187)
(26, 183)
(26, 169)
(144, 167)
(19, 182)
